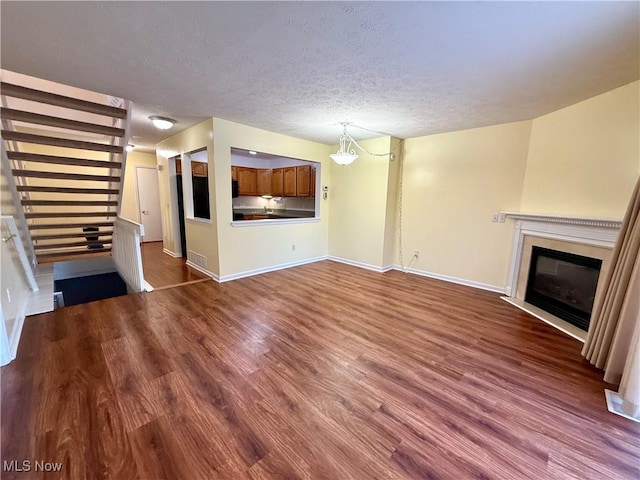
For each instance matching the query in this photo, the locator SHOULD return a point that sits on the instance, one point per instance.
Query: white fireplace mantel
(587, 230)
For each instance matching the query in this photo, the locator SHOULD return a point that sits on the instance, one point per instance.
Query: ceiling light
(163, 123)
(130, 147)
(252, 152)
(346, 154)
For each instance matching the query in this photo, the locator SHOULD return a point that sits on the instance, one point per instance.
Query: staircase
(67, 157)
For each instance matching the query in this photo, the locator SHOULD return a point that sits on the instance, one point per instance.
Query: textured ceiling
(300, 68)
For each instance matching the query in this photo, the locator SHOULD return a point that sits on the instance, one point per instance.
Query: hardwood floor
(162, 270)
(319, 371)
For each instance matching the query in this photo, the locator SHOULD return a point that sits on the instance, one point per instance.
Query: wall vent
(197, 259)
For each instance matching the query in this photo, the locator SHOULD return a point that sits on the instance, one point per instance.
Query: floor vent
(197, 259)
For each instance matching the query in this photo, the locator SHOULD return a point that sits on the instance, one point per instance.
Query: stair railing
(127, 253)
(126, 125)
(22, 227)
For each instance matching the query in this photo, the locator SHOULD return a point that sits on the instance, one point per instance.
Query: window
(270, 187)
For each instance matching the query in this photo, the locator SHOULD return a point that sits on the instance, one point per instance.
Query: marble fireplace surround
(591, 237)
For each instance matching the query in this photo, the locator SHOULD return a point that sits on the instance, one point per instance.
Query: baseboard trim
(366, 266)
(450, 279)
(171, 254)
(216, 277)
(273, 268)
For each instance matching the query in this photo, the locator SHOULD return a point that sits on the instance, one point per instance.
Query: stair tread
(39, 119)
(62, 226)
(60, 142)
(64, 176)
(17, 91)
(72, 203)
(85, 191)
(69, 214)
(56, 236)
(82, 162)
(86, 251)
(45, 246)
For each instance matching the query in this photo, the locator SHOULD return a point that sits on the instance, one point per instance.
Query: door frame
(139, 209)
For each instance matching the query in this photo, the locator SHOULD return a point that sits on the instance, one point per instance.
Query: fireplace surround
(580, 236)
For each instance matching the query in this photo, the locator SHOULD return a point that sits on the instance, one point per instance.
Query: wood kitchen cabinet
(199, 169)
(234, 173)
(264, 181)
(312, 184)
(277, 182)
(247, 181)
(289, 175)
(303, 177)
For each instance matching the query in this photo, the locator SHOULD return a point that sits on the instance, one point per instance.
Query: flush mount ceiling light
(346, 154)
(163, 123)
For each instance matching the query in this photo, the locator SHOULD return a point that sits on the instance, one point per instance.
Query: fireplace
(563, 284)
(593, 238)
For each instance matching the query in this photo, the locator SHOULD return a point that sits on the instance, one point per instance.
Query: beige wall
(359, 200)
(584, 159)
(129, 204)
(254, 247)
(452, 185)
(202, 237)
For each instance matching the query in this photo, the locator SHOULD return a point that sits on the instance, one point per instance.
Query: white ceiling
(300, 68)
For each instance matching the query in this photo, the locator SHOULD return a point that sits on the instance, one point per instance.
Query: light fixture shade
(163, 123)
(343, 158)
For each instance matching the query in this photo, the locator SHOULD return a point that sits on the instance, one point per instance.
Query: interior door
(149, 203)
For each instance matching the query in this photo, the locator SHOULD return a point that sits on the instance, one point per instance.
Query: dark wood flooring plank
(322, 371)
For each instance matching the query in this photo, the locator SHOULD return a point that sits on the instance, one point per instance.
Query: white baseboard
(450, 279)
(614, 405)
(189, 263)
(258, 271)
(366, 266)
(171, 254)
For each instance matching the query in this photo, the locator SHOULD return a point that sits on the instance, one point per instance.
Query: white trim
(199, 221)
(366, 266)
(614, 405)
(598, 232)
(171, 254)
(565, 219)
(208, 273)
(273, 221)
(147, 287)
(273, 268)
(547, 318)
(450, 279)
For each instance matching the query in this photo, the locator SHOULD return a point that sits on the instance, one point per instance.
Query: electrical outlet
(495, 217)
(293, 247)
(416, 253)
(502, 217)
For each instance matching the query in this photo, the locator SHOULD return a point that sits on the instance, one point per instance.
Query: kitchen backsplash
(276, 203)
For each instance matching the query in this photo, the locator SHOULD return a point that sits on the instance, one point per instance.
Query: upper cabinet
(290, 189)
(264, 181)
(297, 181)
(247, 181)
(199, 169)
(277, 182)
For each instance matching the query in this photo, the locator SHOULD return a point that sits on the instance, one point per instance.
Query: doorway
(149, 203)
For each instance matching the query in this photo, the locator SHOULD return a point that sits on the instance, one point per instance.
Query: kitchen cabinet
(312, 184)
(303, 176)
(277, 182)
(290, 189)
(247, 181)
(264, 181)
(199, 169)
(234, 173)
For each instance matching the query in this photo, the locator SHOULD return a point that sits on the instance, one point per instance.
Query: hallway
(162, 270)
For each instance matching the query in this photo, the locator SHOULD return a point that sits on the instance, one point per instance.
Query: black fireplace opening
(563, 284)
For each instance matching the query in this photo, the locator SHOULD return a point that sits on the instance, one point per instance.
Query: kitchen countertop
(280, 213)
